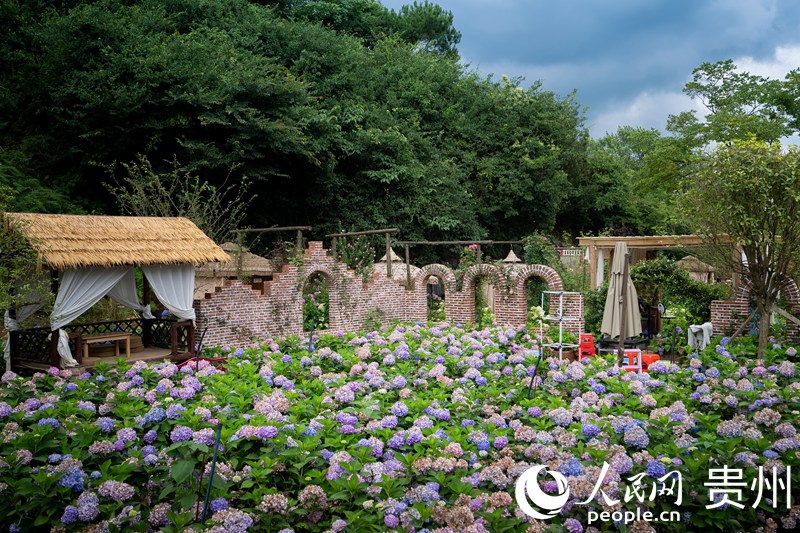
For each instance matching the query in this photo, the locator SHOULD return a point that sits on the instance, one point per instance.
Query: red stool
(632, 362)
(586, 346)
(648, 359)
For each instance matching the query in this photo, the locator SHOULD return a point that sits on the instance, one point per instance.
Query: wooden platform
(149, 355)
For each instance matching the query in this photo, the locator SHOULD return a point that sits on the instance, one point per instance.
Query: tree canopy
(339, 113)
(747, 194)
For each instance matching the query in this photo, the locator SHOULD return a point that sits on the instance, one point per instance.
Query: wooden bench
(116, 338)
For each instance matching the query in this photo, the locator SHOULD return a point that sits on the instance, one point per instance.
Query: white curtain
(23, 313)
(601, 263)
(80, 289)
(63, 349)
(125, 293)
(173, 285)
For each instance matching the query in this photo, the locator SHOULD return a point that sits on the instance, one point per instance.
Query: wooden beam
(273, 230)
(786, 314)
(369, 232)
(593, 266)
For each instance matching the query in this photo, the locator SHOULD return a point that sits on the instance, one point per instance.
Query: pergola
(605, 246)
(90, 257)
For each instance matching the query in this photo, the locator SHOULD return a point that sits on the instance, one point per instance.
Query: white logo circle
(528, 487)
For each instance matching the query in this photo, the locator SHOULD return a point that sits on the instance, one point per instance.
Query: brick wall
(237, 313)
(728, 315)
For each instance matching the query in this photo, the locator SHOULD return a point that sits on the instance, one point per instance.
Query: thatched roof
(68, 241)
(252, 264)
(693, 264)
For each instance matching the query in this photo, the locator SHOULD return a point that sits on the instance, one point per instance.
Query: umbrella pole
(624, 310)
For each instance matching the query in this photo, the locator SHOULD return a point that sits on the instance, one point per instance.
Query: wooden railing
(33, 346)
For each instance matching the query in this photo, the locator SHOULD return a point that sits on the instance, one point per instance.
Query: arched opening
(435, 295)
(316, 308)
(537, 304)
(484, 301)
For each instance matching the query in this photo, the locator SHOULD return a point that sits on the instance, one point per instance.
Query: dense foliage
(746, 194)
(337, 111)
(403, 427)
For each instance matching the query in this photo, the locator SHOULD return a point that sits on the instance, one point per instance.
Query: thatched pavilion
(90, 257)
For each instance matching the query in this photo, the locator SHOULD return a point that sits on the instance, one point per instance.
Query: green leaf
(181, 470)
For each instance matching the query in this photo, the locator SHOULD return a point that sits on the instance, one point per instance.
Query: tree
(178, 193)
(747, 194)
(739, 105)
(21, 282)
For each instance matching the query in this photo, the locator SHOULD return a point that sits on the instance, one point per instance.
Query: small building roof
(252, 264)
(693, 264)
(395, 258)
(71, 241)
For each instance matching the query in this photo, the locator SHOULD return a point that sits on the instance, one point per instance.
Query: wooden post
(592, 251)
(190, 339)
(147, 325)
(478, 258)
(333, 246)
(13, 339)
(54, 357)
(389, 255)
(624, 309)
(408, 269)
(299, 241)
(240, 255)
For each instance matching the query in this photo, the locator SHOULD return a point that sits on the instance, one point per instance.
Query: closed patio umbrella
(613, 321)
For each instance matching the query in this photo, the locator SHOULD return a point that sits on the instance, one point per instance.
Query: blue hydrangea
(105, 423)
(49, 422)
(656, 469)
(590, 430)
(573, 467)
(70, 515)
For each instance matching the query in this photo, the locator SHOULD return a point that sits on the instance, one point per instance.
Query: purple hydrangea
(116, 490)
(88, 506)
(181, 434)
(70, 515)
(220, 504)
(637, 437)
(106, 424)
(49, 422)
(150, 437)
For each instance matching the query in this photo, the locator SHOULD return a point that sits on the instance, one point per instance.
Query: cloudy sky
(628, 60)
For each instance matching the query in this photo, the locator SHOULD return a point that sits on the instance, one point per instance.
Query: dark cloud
(617, 52)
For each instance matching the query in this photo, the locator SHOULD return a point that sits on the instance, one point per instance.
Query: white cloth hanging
(125, 293)
(80, 289)
(63, 349)
(700, 336)
(173, 285)
(11, 324)
(601, 264)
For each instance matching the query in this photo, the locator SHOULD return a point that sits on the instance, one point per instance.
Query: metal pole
(623, 309)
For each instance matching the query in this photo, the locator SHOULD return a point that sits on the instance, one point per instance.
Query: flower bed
(409, 428)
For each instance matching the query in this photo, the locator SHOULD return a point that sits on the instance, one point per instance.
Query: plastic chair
(586, 346)
(632, 361)
(648, 359)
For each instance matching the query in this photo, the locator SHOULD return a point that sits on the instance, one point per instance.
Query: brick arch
(440, 271)
(496, 277)
(790, 291)
(523, 274)
(334, 321)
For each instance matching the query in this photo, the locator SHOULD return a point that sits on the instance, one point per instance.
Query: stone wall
(237, 313)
